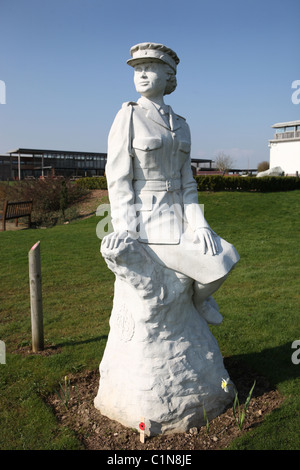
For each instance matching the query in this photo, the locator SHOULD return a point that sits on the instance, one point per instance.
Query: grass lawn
(259, 303)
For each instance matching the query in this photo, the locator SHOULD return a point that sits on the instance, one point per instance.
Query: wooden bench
(15, 210)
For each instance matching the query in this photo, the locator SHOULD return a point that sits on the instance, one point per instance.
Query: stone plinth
(161, 360)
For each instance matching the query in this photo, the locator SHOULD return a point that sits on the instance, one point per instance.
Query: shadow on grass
(269, 368)
(85, 341)
(50, 349)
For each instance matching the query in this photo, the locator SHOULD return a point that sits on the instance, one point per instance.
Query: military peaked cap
(152, 51)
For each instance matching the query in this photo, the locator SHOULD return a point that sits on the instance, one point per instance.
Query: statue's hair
(167, 56)
(172, 81)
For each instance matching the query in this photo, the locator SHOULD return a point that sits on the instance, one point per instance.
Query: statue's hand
(113, 240)
(206, 237)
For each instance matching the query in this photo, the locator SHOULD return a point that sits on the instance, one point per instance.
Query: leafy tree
(263, 166)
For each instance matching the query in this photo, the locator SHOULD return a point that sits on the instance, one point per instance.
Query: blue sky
(63, 63)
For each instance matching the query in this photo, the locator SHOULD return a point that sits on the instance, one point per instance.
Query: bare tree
(223, 162)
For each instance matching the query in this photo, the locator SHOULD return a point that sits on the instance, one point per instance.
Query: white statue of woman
(167, 261)
(149, 172)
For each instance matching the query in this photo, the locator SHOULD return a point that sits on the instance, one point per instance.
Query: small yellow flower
(224, 385)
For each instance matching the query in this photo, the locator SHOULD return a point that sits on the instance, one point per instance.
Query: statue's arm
(192, 211)
(119, 172)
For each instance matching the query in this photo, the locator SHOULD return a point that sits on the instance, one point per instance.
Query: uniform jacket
(152, 190)
(150, 181)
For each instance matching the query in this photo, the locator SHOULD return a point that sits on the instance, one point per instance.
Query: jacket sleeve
(119, 171)
(192, 210)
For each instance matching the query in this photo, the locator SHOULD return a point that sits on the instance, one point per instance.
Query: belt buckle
(168, 185)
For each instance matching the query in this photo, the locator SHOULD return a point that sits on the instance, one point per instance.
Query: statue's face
(150, 79)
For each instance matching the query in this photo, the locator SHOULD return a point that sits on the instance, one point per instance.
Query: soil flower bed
(97, 432)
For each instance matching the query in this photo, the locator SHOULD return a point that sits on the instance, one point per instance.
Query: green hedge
(221, 183)
(98, 182)
(247, 183)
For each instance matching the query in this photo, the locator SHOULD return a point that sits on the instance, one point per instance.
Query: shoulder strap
(130, 130)
(129, 103)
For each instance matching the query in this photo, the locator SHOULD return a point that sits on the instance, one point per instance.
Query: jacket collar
(154, 115)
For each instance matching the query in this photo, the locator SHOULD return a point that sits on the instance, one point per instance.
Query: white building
(285, 147)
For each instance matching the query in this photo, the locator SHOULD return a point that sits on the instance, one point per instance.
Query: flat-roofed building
(23, 163)
(285, 147)
(201, 164)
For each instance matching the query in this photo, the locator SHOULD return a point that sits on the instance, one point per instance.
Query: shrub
(218, 183)
(49, 195)
(98, 182)
(247, 183)
(64, 197)
(263, 166)
(3, 191)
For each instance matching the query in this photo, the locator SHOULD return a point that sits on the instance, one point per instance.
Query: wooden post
(35, 280)
(4, 216)
(19, 166)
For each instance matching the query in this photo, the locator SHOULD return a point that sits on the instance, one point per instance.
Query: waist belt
(157, 185)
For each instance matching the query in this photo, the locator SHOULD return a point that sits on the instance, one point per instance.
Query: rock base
(161, 360)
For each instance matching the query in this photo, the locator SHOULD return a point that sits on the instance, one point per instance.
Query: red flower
(142, 426)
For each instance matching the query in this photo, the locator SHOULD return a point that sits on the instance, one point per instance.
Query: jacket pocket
(147, 143)
(147, 153)
(184, 146)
